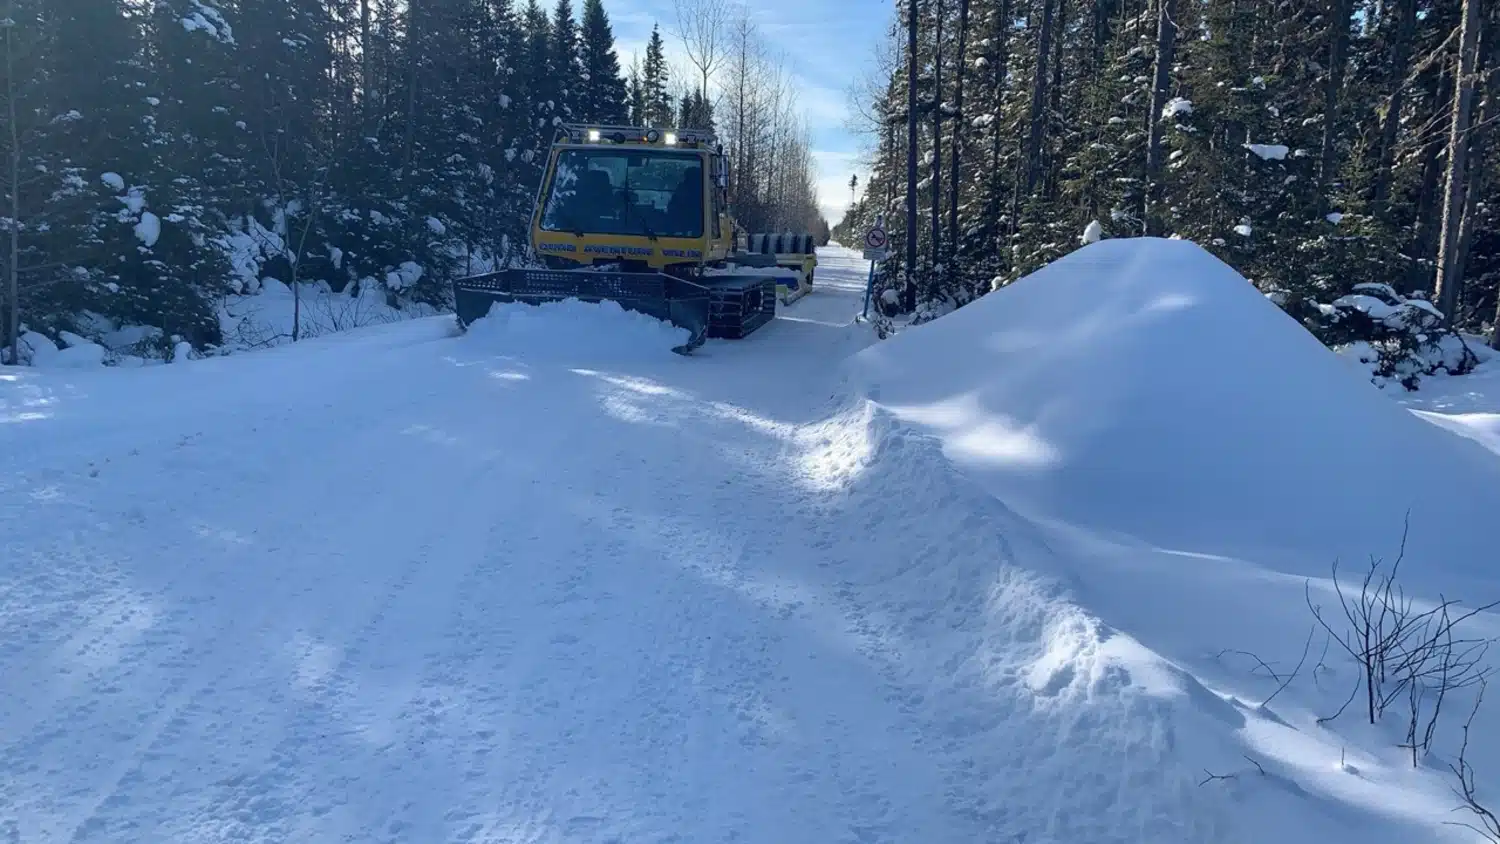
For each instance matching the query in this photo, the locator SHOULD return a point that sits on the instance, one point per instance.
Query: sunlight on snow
(982, 435)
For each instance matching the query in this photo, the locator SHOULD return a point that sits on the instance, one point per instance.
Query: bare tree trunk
(13, 263)
(414, 36)
(741, 107)
(1038, 124)
(1487, 113)
(1059, 42)
(910, 291)
(312, 215)
(1449, 285)
(890, 191)
(1406, 27)
(1429, 195)
(1101, 37)
(367, 67)
(1000, 73)
(1338, 38)
(959, 128)
(1166, 45)
(937, 132)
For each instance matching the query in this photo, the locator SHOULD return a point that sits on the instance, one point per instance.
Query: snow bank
(267, 317)
(574, 326)
(1142, 387)
(1184, 462)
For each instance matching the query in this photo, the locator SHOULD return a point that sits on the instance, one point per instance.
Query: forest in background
(1339, 153)
(162, 155)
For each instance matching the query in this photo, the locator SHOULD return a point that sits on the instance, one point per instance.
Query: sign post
(876, 250)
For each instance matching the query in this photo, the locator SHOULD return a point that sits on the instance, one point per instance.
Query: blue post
(869, 289)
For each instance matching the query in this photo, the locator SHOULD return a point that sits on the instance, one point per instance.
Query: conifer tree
(636, 96)
(564, 64)
(657, 99)
(603, 97)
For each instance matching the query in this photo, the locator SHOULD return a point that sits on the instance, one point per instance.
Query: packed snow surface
(549, 582)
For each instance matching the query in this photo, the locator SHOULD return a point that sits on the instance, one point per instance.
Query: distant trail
(407, 587)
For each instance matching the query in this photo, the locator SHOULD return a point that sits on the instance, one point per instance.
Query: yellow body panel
(788, 290)
(657, 253)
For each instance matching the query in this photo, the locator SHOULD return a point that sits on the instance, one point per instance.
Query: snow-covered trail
(403, 586)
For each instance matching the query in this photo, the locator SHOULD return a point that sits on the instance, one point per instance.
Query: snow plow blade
(678, 301)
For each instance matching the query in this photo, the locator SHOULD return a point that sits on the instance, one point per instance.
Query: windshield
(626, 191)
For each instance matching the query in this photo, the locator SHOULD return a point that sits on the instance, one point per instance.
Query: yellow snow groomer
(640, 216)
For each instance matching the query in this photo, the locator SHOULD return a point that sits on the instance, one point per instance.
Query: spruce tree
(603, 97)
(695, 112)
(101, 210)
(658, 110)
(636, 96)
(564, 64)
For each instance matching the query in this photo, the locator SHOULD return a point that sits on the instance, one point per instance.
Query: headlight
(671, 139)
(593, 136)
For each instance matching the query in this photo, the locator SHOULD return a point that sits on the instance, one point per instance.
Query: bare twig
(1485, 823)
(1211, 776)
(1404, 652)
(1260, 662)
(1334, 717)
(1295, 671)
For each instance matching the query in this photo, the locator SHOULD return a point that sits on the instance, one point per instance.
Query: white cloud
(823, 107)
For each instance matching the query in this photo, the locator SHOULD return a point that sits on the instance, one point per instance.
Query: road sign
(875, 238)
(877, 254)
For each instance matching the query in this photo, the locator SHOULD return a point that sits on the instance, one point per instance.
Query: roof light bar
(598, 134)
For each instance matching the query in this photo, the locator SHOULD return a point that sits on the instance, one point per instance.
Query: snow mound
(575, 327)
(1062, 726)
(1173, 464)
(1141, 387)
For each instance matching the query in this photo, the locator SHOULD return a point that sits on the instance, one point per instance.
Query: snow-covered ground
(1027, 572)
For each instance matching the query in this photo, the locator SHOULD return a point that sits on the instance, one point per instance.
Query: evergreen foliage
(166, 155)
(1304, 143)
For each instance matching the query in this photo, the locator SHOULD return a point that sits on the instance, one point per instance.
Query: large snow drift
(1143, 388)
(1190, 462)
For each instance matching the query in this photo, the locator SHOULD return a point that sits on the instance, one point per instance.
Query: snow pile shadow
(573, 327)
(1143, 388)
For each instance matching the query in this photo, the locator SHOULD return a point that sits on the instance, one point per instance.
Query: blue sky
(827, 44)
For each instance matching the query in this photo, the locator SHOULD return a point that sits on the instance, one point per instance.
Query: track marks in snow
(152, 708)
(606, 601)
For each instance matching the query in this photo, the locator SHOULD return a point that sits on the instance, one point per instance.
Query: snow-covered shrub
(1401, 339)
